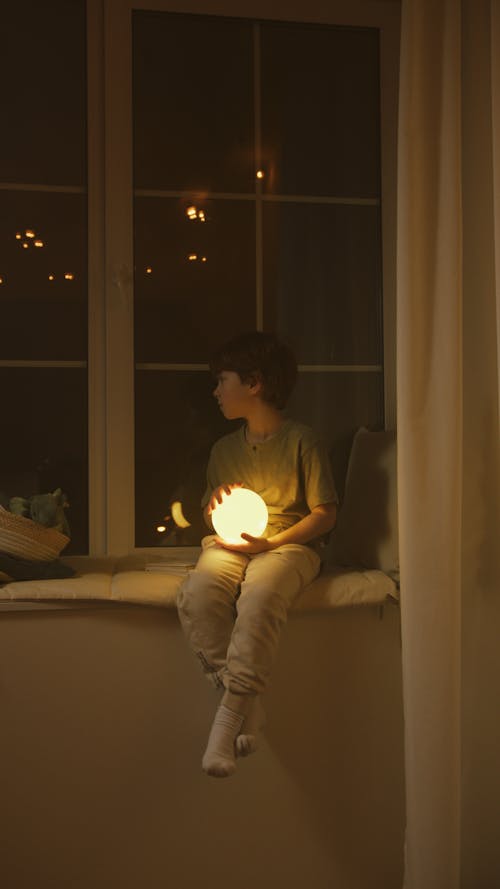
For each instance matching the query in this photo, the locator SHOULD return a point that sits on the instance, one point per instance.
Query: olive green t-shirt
(290, 470)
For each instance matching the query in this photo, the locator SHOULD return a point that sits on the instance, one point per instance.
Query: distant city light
(31, 237)
(69, 276)
(193, 214)
(149, 270)
(260, 174)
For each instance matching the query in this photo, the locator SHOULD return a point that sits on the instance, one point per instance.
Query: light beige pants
(232, 608)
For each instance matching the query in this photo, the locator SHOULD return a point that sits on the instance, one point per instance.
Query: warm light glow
(69, 277)
(51, 277)
(149, 270)
(203, 258)
(193, 214)
(30, 233)
(161, 528)
(240, 511)
(178, 515)
(25, 245)
(38, 243)
(260, 174)
(192, 257)
(18, 236)
(1, 280)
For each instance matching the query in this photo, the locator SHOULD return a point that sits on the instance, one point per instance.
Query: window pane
(183, 305)
(319, 126)
(43, 92)
(43, 313)
(46, 448)
(320, 110)
(193, 103)
(177, 421)
(322, 281)
(336, 405)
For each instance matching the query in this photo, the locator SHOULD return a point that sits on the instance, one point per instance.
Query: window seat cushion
(125, 580)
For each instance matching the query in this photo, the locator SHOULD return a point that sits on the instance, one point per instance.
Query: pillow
(366, 535)
(25, 569)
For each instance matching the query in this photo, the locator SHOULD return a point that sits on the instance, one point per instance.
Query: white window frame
(111, 355)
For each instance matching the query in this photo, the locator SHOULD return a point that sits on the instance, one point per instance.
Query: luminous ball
(240, 511)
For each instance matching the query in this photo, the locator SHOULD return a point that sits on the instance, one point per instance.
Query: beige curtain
(449, 438)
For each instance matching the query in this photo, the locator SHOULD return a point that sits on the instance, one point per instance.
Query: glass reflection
(177, 421)
(336, 404)
(323, 281)
(43, 312)
(193, 102)
(320, 110)
(47, 447)
(201, 287)
(44, 113)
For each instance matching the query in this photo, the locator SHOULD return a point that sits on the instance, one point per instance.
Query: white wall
(104, 720)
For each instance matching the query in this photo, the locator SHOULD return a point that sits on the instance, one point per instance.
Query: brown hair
(261, 356)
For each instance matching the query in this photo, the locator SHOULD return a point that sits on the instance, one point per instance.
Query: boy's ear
(255, 382)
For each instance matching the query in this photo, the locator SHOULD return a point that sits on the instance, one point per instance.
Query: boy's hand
(216, 496)
(249, 544)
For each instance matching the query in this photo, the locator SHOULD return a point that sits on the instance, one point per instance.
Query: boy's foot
(247, 741)
(219, 760)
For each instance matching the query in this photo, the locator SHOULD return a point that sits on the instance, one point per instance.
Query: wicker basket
(26, 539)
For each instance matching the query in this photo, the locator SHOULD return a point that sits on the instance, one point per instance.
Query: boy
(233, 605)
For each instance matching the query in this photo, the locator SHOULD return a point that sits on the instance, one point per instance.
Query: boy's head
(259, 356)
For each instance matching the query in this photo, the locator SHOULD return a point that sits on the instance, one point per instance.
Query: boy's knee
(200, 594)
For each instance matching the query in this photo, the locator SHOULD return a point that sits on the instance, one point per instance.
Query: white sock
(247, 740)
(219, 760)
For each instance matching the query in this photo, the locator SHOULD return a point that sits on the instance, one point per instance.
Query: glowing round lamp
(241, 511)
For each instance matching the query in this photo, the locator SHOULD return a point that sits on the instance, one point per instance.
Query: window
(199, 175)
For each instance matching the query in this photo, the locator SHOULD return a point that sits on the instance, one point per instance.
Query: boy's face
(234, 398)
